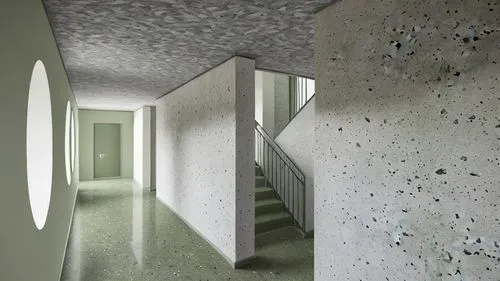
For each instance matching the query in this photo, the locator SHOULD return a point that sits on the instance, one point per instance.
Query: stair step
(260, 181)
(258, 172)
(270, 222)
(268, 206)
(262, 193)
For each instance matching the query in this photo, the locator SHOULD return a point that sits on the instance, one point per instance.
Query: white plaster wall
(205, 151)
(297, 140)
(138, 146)
(268, 116)
(142, 147)
(259, 98)
(87, 120)
(272, 105)
(153, 149)
(27, 253)
(281, 102)
(407, 141)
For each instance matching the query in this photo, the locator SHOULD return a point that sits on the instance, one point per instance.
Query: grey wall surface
(142, 147)
(87, 120)
(272, 99)
(259, 97)
(205, 150)
(268, 101)
(407, 143)
(297, 141)
(281, 102)
(27, 253)
(153, 148)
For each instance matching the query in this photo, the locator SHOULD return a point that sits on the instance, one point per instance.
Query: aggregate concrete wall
(205, 156)
(407, 143)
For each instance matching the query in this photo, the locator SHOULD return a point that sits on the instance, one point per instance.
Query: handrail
(284, 176)
(298, 173)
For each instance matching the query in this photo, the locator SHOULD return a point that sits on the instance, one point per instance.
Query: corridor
(124, 233)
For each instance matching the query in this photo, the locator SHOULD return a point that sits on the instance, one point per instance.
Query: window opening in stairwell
(302, 89)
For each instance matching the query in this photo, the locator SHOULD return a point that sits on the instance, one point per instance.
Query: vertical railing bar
(297, 99)
(301, 93)
(293, 199)
(281, 179)
(304, 86)
(272, 165)
(304, 208)
(267, 160)
(261, 153)
(297, 104)
(300, 96)
(284, 186)
(304, 94)
(286, 190)
(288, 195)
(258, 149)
(272, 170)
(276, 170)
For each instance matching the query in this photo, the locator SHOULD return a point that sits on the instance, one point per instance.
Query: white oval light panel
(67, 143)
(73, 141)
(39, 145)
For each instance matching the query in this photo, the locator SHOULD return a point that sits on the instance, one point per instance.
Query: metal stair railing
(283, 174)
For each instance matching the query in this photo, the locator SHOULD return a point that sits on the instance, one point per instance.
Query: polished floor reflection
(122, 233)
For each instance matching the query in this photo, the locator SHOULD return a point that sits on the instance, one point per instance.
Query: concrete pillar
(205, 138)
(407, 141)
(142, 147)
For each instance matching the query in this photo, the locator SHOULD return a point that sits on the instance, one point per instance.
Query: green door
(107, 150)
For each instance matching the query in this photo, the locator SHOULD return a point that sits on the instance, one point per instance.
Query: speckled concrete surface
(121, 233)
(211, 116)
(128, 53)
(407, 142)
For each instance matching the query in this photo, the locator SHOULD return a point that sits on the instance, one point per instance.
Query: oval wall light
(39, 144)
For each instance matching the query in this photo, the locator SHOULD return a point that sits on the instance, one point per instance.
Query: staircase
(270, 212)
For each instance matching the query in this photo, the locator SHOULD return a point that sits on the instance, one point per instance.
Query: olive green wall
(87, 120)
(27, 253)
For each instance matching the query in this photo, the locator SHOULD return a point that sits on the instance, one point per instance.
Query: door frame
(94, 151)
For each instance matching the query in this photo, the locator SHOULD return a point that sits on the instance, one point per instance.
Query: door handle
(101, 155)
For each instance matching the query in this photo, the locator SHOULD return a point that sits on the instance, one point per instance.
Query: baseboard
(234, 264)
(309, 234)
(244, 262)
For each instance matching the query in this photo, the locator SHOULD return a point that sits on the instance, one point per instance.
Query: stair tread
(263, 188)
(267, 202)
(271, 217)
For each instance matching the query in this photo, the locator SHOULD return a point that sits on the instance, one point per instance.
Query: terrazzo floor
(120, 232)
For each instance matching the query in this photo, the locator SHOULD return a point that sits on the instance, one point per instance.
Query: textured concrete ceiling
(123, 54)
